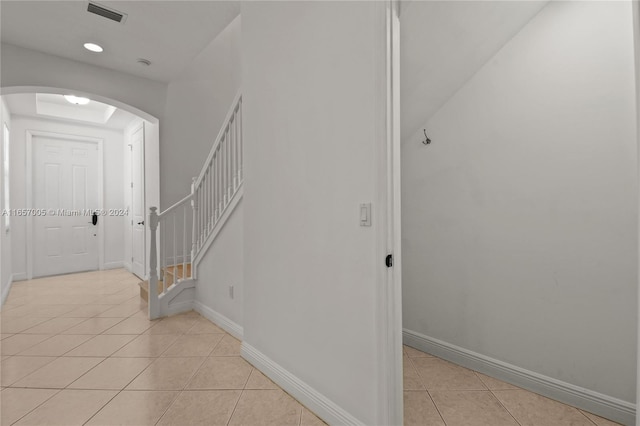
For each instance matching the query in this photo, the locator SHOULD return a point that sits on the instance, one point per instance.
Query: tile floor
(439, 393)
(79, 349)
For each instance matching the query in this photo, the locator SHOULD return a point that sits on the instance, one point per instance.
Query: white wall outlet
(231, 291)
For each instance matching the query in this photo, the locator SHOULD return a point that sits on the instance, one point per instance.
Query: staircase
(181, 234)
(171, 274)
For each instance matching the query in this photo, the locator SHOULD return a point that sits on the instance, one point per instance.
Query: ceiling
(55, 107)
(444, 43)
(170, 34)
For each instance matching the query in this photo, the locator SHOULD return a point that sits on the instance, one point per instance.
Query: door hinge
(131, 184)
(389, 261)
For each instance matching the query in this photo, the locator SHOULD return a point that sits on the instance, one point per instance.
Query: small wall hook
(426, 140)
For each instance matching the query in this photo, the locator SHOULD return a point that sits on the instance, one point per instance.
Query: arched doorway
(148, 191)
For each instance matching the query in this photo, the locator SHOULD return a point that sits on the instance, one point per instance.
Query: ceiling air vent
(106, 12)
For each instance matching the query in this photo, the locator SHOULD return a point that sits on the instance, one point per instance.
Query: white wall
(520, 219)
(196, 105)
(6, 271)
(24, 67)
(313, 78)
(221, 267)
(114, 197)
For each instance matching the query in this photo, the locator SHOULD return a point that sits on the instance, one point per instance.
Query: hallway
(79, 349)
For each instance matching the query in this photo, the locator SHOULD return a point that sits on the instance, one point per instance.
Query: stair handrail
(176, 205)
(205, 189)
(219, 138)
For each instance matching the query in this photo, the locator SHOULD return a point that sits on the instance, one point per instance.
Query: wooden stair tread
(178, 270)
(170, 273)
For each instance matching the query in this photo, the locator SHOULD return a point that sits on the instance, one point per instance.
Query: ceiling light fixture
(77, 100)
(93, 47)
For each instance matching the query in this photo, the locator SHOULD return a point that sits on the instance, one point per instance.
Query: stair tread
(178, 270)
(145, 285)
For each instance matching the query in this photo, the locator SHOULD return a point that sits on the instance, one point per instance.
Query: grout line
(100, 409)
(426, 390)
(235, 406)
(169, 405)
(301, 413)
(504, 406)
(33, 409)
(436, 406)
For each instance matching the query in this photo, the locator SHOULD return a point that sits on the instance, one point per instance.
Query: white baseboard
(21, 276)
(5, 291)
(594, 402)
(220, 320)
(113, 265)
(177, 308)
(323, 407)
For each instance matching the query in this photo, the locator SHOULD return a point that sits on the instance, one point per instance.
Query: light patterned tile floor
(78, 349)
(439, 393)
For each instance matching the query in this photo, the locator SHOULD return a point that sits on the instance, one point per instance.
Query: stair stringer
(179, 297)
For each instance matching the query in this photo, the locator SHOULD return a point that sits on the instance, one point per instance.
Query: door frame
(389, 293)
(132, 131)
(635, 10)
(30, 134)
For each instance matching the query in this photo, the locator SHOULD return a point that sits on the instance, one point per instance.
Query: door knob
(141, 223)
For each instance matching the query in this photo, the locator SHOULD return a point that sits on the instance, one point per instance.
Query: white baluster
(223, 169)
(153, 265)
(184, 242)
(240, 144)
(234, 157)
(175, 251)
(219, 181)
(227, 174)
(194, 220)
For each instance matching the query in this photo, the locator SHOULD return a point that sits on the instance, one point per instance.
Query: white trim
(635, 9)
(322, 406)
(594, 402)
(29, 189)
(96, 97)
(228, 211)
(5, 292)
(132, 130)
(178, 308)
(389, 292)
(220, 320)
(113, 265)
(20, 276)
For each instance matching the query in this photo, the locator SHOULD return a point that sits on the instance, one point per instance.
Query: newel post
(154, 304)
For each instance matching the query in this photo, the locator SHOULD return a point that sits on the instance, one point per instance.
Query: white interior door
(66, 187)
(138, 262)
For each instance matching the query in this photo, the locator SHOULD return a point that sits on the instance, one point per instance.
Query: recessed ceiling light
(77, 100)
(93, 47)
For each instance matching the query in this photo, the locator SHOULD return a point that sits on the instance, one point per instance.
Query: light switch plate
(365, 214)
